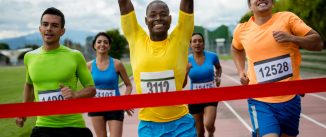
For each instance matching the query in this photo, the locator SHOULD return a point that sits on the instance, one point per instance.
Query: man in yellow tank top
(270, 43)
(159, 64)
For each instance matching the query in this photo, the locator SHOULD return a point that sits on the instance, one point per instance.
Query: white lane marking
(317, 96)
(303, 115)
(313, 120)
(237, 115)
(233, 111)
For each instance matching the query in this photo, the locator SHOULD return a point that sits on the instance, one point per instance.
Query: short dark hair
(157, 2)
(55, 11)
(101, 34)
(201, 35)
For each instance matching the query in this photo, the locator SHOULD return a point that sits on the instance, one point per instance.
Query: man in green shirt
(52, 72)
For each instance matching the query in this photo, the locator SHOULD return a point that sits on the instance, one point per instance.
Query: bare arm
(125, 6)
(186, 77)
(86, 92)
(28, 96)
(124, 76)
(187, 6)
(28, 93)
(89, 65)
(218, 74)
(311, 41)
(239, 58)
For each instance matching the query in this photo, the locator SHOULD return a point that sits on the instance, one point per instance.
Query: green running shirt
(46, 70)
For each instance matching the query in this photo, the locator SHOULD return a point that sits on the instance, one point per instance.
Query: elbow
(320, 46)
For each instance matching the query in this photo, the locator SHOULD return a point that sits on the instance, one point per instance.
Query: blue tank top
(205, 72)
(106, 79)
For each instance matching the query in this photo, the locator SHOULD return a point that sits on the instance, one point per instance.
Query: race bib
(50, 95)
(274, 69)
(157, 82)
(210, 84)
(105, 93)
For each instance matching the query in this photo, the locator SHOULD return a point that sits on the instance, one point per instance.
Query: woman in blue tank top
(201, 72)
(105, 72)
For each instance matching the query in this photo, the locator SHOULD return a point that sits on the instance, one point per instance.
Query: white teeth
(262, 4)
(158, 25)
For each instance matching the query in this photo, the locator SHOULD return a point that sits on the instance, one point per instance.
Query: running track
(233, 118)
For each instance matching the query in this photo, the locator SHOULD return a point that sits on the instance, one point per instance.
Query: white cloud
(18, 17)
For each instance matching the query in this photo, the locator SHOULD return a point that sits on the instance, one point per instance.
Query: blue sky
(20, 17)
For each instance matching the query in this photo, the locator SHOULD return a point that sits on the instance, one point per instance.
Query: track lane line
(301, 114)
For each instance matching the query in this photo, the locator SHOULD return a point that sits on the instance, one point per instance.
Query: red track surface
(237, 123)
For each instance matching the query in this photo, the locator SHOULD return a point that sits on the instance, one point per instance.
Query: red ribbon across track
(161, 99)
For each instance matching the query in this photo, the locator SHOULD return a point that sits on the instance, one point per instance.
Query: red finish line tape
(161, 99)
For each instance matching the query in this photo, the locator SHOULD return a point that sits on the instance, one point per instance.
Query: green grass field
(12, 80)
(11, 87)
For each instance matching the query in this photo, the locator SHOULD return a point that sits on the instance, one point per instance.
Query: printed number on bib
(274, 69)
(203, 85)
(157, 82)
(50, 95)
(104, 93)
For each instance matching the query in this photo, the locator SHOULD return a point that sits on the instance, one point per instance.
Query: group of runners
(269, 42)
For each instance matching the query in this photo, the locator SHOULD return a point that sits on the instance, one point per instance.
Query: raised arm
(125, 6)
(187, 6)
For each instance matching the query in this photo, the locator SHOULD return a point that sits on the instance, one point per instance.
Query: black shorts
(109, 115)
(61, 132)
(199, 108)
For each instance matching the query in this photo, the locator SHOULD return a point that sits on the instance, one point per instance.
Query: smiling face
(102, 45)
(261, 6)
(51, 29)
(158, 19)
(197, 43)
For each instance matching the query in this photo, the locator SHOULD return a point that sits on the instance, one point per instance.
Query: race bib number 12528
(274, 69)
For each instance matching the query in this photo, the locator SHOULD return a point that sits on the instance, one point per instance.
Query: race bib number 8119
(274, 69)
(157, 82)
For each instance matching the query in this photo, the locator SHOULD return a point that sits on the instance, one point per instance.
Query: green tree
(312, 12)
(118, 45)
(33, 46)
(4, 46)
(246, 17)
